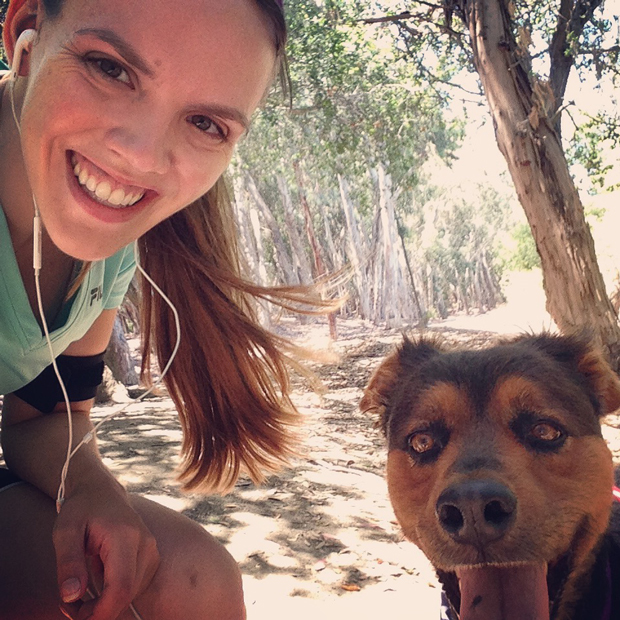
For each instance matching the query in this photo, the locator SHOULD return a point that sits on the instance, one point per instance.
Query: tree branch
(572, 19)
(388, 18)
(601, 52)
(433, 78)
(401, 18)
(403, 15)
(420, 17)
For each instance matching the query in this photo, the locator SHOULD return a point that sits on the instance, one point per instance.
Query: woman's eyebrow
(124, 48)
(131, 55)
(224, 111)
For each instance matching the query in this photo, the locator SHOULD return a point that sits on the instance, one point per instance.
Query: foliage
(592, 144)
(357, 102)
(554, 39)
(524, 257)
(352, 103)
(456, 231)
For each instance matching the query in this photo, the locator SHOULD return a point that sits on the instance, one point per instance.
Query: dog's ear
(602, 378)
(579, 352)
(377, 393)
(390, 372)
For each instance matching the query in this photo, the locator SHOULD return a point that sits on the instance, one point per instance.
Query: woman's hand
(102, 545)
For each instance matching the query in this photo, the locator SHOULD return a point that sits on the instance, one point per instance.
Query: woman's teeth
(102, 190)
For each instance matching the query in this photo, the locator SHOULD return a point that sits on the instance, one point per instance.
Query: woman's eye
(545, 432)
(111, 69)
(206, 125)
(421, 442)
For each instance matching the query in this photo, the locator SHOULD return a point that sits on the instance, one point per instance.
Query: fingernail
(64, 613)
(70, 590)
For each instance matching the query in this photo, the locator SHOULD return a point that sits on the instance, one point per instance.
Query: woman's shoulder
(118, 272)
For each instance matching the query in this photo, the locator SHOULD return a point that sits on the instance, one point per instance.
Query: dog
(498, 471)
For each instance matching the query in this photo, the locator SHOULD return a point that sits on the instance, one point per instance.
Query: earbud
(23, 44)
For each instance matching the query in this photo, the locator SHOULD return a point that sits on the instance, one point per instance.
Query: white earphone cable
(88, 437)
(37, 263)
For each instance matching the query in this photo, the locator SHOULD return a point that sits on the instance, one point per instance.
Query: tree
(337, 168)
(526, 100)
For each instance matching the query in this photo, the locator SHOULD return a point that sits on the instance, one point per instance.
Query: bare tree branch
(388, 18)
(599, 52)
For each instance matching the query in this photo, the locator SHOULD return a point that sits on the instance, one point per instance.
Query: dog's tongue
(514, 593)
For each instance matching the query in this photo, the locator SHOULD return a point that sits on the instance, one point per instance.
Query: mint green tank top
(23, 349)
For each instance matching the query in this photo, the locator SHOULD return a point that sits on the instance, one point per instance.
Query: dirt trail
(320, 538)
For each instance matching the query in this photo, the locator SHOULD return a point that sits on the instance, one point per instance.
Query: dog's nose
(476, 512)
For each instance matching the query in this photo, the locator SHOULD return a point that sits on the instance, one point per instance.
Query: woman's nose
(143, 142)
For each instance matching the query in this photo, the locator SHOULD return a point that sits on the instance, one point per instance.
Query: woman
(117, 125)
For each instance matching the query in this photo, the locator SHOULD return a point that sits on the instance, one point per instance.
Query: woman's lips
(100, 208)
(103, 187)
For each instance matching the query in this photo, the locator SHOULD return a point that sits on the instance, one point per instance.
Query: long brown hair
(229, 380)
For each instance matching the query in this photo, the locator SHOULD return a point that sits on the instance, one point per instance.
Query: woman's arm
(35, 444)
(96, 518)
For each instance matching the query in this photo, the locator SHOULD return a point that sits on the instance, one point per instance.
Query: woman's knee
(197, 577)
(201, 575)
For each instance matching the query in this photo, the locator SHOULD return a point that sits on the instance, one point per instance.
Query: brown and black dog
(498, 471)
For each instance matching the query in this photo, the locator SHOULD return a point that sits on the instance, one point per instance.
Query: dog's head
(495, 456)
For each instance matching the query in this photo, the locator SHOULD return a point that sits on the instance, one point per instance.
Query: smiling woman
(116, 129)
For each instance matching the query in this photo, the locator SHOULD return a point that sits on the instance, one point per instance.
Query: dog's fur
(519, 423)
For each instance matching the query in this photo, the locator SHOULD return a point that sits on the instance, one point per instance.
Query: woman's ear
(21, 15)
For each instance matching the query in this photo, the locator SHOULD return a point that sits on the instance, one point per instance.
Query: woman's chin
(85, 249)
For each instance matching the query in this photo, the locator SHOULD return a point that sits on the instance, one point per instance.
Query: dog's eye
(421, 442)
(426, 444)
(545, 432)
(540, 435)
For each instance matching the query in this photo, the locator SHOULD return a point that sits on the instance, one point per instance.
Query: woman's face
(132, 109)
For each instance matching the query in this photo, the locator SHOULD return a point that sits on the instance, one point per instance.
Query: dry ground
(320, 538)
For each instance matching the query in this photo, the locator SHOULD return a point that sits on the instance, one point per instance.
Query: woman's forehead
(193, 41)
(175, 21)
(170, 14)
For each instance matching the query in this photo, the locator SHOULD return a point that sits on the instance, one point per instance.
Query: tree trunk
(390, 273)
(252, 244)
(419, 308)
(576, 295)
(317, 254)
(461, 295)
(299, 252)
(495, 290)
(246, 234)
(356, 247)
(397, 292)
(334, 255)
(106, 389)
(282, 255)
(118, 356)
(336, 258)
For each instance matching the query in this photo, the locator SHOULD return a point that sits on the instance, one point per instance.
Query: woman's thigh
(197, 577)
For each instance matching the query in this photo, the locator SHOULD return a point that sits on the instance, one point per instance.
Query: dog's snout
(476, 512)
